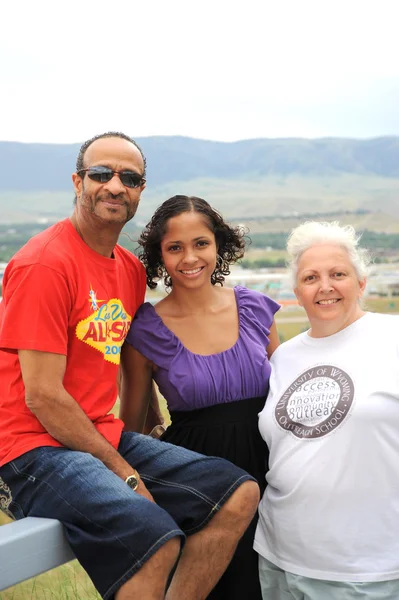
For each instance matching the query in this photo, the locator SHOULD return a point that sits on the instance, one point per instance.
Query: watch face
(157, 431)
(132, 482)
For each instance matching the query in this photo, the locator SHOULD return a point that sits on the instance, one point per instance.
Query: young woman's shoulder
(151, 337)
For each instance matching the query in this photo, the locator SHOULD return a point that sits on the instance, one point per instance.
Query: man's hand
(142, 490)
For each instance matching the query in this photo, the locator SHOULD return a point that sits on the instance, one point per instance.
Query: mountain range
(251, 177)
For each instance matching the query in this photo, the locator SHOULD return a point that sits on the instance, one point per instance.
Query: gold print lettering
(106, 329)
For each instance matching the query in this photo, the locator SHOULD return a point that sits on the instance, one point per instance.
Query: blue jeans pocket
(22, 464)
(15, 476)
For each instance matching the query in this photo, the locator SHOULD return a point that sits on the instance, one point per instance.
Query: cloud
(217, 70)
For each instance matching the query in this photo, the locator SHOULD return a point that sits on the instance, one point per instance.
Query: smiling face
(189, 250)
(111, 202)
(328, 288)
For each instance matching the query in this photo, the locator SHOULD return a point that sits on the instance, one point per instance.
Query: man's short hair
(85, 145)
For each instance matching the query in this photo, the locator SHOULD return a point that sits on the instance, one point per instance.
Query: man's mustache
(105, 197)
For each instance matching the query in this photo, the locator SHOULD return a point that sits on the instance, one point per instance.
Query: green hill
(250, 178)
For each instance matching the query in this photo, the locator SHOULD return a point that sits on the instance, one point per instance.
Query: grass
(288, 330)
(245, 198)
(68, 582)
(288, 195)
(382, 305)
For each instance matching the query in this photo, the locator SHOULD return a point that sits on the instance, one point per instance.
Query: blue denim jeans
(111, 529)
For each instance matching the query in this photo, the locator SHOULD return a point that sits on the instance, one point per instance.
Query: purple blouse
(189, 381)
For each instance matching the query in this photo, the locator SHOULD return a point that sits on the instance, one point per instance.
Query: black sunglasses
(102, 174)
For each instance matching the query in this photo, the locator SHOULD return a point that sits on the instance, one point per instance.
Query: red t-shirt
(60, 296)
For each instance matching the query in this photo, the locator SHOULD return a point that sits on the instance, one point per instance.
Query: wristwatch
(133, 481)
(157, 431)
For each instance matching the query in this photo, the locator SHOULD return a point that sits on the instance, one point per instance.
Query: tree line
(12, 237)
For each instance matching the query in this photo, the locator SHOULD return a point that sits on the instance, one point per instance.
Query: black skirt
(229, 431)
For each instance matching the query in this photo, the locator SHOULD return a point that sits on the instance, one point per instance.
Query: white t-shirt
(331, 421)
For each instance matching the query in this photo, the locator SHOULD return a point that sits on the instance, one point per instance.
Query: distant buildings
(383, 281)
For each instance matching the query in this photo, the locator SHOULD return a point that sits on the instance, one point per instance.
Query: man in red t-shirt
(126, 500)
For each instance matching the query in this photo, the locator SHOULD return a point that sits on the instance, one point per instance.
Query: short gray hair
(313, 233)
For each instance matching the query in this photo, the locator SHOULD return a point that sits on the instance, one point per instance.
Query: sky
(212, 69)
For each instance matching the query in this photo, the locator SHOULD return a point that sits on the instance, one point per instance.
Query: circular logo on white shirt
(316, 403)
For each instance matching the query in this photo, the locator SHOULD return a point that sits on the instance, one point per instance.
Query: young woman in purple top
(208, 349)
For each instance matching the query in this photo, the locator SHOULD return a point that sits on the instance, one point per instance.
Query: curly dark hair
(230, 241)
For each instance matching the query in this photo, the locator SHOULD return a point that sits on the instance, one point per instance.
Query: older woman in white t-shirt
(329, 519)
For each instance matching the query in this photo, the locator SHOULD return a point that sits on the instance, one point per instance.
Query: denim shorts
(277, 584)
(111, 529)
